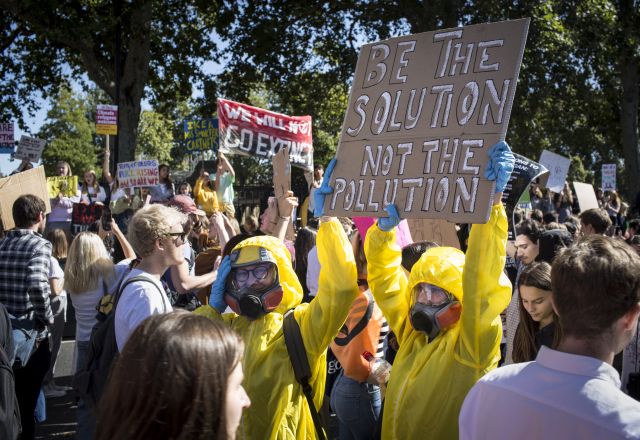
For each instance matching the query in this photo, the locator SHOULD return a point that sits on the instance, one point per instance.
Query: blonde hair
(87, 263)
(152, 223)
(95, 182)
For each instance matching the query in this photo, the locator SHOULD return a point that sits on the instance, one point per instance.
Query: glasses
(429, 294)
(258, 272)
(182, 237)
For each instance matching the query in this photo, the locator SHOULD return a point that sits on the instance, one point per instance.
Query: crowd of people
(535, 337)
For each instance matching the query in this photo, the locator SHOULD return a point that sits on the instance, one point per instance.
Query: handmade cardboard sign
(422, 112)
(608, 177)
(65, 185)
(83, 216)
(436, 230)
(140, 173)
(201, 134)
(7, 143)
(282, 184)
(107, 119)
(29, 148)
(558, 167)
(586, 196)
(525, 171)
(253, 131)
(27, 182)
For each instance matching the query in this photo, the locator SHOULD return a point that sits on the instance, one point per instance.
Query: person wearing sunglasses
(157, 235)
(446, 316)
(258, 283)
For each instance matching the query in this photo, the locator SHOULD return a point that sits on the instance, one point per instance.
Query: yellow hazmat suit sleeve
(387, 279)
(487, 292)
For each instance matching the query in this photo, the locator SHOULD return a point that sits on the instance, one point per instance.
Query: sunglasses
(181, 235)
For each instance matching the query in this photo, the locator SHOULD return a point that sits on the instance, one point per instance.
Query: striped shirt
(25, 258)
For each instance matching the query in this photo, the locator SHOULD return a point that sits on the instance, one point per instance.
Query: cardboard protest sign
(27, 182)
(65, 185)
(586, 196)
(29, 148)
(201, 134)
(558, 167)
(282, 184)
(525, 171)
(107, 119)
(608, 177)
(253, 131)
(422, 112)
(140, 173)
(436, 230)
(84, 216)
(7, 143)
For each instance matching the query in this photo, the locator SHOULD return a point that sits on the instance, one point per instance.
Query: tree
(155, 136)
(144, 47)
(68, 132)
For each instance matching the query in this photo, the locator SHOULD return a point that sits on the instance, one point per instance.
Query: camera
(106, 219)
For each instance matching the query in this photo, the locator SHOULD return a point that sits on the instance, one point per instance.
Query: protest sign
(65, 185)
(27, 182)
(608, 177)
(107, 119)
(140, 173)
(436, 230)
(29, 148)
(586, 196)
(524, 172)
(422, 113)
(7, 143)
(84, 216)
(201, 134)
(253, 131)
(558, 167)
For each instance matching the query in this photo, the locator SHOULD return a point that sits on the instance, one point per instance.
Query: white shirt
(138, 301)
(558, 396)
(101, 196)
(313, 271)
(56, 272)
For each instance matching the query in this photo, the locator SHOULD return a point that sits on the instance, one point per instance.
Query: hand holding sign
(500, 165)
(321, 193)
(390, 222)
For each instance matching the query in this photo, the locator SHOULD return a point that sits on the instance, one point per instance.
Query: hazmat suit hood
(442, 267)
(291, 288)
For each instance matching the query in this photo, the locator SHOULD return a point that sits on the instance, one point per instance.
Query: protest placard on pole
(586, 196)
(422, 112)
(201, 134)
(524, 172)
(29, 148)
(608, 177)
(282, 185)
(253, 131)
(138, 173)
(558, 167)
(65, 185)
(107, 119)
(7, 142)
(27, 182)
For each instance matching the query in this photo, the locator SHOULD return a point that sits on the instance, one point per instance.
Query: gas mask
(433, 310)
(253, 286)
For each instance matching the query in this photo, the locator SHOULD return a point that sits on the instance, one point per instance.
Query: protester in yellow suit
(446, 317)
(279, 409)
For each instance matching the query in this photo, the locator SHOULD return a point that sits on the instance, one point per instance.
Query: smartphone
(106, 219)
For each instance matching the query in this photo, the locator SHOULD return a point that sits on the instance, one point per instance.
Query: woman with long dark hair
(539, 324)
(165, 190)
(179, 376)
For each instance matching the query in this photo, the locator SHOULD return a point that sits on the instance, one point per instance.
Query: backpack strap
(361, 325)
(300, 363)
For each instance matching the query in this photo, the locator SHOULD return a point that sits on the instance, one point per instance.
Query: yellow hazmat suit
(429, 381)
(279, 409)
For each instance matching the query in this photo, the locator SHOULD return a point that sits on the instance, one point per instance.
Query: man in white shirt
(571, 392)
(157, 235)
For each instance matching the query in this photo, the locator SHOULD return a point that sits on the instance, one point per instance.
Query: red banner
(253, 131)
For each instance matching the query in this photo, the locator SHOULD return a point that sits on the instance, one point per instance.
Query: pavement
(61, 411)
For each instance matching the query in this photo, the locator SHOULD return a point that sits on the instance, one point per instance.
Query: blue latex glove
(321, 193)
(500, 165)
(216, 299)
(391, 221)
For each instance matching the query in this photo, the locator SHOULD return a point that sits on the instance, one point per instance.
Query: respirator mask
(433, 309)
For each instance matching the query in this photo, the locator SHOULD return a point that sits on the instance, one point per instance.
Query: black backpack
(10, 424)
(90, 380)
